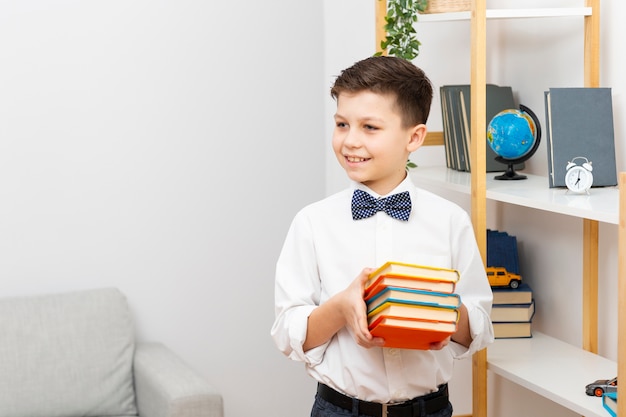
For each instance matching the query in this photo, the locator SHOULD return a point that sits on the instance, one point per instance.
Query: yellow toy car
(499, 277)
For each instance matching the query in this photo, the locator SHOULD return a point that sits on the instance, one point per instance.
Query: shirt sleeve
(297, 293)
(473, 287)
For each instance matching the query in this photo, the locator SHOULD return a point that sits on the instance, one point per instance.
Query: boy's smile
(370, 141)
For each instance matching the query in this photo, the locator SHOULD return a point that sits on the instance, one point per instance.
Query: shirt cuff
(297, 336)
(481, 331)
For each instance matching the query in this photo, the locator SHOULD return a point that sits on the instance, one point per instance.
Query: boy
(382, 107)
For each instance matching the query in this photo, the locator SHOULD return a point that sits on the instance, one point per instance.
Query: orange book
(406, 333)
(414, 283)
(412, 276)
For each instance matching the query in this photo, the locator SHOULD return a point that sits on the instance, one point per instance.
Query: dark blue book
(505, 295)
(502, 251)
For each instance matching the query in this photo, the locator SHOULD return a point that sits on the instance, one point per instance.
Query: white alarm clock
(579, 178)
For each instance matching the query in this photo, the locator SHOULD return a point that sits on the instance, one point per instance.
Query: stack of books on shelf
(513, 308)
(512, 311)
(412, 306)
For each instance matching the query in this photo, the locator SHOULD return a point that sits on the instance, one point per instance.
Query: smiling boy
(332, 245)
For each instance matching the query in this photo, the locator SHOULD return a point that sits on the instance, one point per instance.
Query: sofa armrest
(166, 387)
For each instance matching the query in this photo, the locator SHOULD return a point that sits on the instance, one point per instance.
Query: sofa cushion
(66, 355)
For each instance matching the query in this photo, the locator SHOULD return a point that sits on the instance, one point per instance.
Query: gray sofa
(75, 355)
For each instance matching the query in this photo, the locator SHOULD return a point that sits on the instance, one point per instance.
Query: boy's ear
(418, 135)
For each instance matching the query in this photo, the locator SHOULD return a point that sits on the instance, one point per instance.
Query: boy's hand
(440, 345)
(353, 310)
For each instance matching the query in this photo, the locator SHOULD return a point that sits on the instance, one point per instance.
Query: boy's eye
(341, 124)
(370, 127)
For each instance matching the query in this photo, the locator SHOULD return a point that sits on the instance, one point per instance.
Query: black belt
(417, 407)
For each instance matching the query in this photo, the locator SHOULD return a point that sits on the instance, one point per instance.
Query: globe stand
(510, 173)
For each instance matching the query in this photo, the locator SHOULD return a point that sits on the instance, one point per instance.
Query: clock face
(578, 179)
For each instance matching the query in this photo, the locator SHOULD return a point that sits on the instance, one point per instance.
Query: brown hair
(390, 75)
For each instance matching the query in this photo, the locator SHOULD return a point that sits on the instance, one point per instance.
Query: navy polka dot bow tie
(397, 206)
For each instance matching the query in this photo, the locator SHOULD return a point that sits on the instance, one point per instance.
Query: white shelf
(602, 204)
(509, 14)
(552, 368)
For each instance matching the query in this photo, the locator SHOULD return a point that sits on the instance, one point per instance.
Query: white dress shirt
(325, 250)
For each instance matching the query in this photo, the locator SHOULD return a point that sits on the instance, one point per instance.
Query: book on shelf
(456, 108)
(579, 124)
(505, 295)
(406, 333)
(412, 276)
(412, 296)
(609, 402)
(512, 330)
(502, 250)
(447, 130)
(413, 311)
(457, 138)
(512, 312)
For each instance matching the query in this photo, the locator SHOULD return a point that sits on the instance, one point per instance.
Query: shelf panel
(602, 205)
(509, 14)
(553, 369)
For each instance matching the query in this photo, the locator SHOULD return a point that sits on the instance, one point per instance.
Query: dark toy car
(599, 387)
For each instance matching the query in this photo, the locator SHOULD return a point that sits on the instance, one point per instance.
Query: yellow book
(413, 276)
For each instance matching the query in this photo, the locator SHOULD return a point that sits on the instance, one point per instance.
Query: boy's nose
(352, 138)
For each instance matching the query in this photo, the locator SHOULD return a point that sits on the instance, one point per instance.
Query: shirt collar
(405, 185)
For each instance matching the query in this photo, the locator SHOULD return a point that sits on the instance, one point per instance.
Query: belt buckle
(384, 410)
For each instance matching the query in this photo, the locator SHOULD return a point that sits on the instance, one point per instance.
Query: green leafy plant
(401, 40)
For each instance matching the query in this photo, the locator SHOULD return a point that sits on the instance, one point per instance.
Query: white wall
(531, 55)
(163, 147)
(132, 133)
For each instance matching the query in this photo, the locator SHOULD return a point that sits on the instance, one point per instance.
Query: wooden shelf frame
(478, 15)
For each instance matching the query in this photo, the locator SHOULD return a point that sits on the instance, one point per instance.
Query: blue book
(609, 402)
(502, 250)
(414, 297)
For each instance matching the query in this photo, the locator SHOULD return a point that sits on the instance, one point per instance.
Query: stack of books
(512, 311)
(412, 306)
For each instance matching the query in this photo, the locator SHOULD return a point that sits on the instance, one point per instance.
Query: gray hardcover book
(462, 151)
(579, 123)
(498, 98)
(448, 132)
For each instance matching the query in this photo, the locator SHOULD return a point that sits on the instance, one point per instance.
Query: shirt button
(393, 352)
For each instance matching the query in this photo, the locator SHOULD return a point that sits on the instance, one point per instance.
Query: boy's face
(370, 141)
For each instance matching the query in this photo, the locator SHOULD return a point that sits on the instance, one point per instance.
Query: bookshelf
(536, 361)
(543, 364)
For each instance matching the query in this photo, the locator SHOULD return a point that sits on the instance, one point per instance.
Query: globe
(514, 135)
